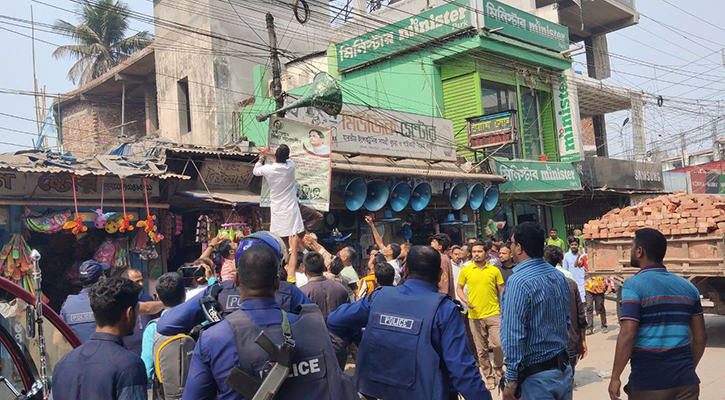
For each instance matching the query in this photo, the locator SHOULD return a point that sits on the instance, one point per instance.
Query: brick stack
(676, 214)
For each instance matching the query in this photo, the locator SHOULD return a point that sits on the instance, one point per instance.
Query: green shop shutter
(548, 129)
(461, 100)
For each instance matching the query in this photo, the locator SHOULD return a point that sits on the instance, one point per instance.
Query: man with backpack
(183, 318)
(228, 348)
(170, 289)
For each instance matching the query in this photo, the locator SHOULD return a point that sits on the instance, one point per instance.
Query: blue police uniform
(414, 345)
(100, 369)
(77, 313)
(314, 372)
(184, 317)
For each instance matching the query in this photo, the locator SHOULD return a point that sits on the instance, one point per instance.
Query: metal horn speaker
(378, 193)
(475, 196)
(324, 94)
(490, 199)
(421, 195)
(400, 196)
(457, 195)
(354, 194)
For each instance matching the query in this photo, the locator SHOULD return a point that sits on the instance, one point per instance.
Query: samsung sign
(602, 172)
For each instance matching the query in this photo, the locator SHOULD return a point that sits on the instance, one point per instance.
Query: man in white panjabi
(285, 210)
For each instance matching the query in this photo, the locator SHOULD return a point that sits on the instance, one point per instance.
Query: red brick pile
(676, 214)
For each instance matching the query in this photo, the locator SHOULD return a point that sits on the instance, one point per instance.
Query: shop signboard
(381, 132)
(698, 182)
(568, 121)
(225, 174)
(60, 186)
(311, 157)
(524, 26)
(536, 176)
(599, 172)
(712, 182)
(428, 26)
(491, 130)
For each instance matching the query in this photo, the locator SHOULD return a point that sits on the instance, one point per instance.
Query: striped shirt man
(535, 317)
(663, 304)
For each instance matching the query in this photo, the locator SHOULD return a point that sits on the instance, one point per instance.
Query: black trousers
(596, 301)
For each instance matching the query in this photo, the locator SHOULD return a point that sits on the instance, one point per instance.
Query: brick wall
(91, 128)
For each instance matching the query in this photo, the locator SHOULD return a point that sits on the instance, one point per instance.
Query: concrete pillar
(600, 135)
(597, 52)
(639, 135)
(152, 118)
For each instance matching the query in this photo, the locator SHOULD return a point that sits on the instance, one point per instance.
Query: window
(498, 97)
(184, 106)
(531, 130)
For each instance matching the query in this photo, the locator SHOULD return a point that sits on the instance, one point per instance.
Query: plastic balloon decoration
(149, 225)
(75, 225)
(124, 224)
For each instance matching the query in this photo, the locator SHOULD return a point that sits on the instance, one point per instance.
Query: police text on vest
(396, 322)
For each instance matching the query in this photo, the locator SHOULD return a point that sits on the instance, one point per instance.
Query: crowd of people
(430, 321)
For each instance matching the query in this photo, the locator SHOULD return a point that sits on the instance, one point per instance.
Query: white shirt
(456, 268)
(578, 273)
(396, 267)
(193, 292)
(301, 279)
(285, 211)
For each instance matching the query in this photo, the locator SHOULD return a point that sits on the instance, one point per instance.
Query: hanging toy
(102, 218)
(124, 224)
(76, 225)
(149, 224)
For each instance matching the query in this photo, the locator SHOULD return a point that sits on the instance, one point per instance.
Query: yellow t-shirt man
(482, 285)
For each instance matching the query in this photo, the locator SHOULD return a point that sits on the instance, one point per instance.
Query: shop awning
(367, 165)
(229, 197)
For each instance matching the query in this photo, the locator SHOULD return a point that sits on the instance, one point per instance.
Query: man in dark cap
(76, 310)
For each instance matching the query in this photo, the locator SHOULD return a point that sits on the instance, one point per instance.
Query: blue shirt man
(102, 368)
(660, 312)
(447, 336)
(76, 310)
(535, 322)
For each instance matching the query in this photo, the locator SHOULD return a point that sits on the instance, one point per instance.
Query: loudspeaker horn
(490, 199)
(475, 196)
(354, 194)
(378, 192)
(323, 94)
(421, 195)
(399, 196)
(457, 195)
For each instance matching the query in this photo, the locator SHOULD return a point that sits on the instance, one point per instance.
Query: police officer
(230, 344)
(184, 317)
(76, 310)
(414, 344)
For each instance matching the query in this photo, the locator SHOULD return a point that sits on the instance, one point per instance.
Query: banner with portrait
(310, 151)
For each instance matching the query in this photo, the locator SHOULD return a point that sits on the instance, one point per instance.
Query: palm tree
(100, 39)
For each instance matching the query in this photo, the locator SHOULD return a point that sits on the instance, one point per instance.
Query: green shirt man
(554, 240)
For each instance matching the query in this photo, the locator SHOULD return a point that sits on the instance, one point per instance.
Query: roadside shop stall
(74, 210)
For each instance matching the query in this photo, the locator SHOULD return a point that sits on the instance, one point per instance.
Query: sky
(667, 47)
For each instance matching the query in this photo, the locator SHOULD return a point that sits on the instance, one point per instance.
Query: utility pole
(276, 65)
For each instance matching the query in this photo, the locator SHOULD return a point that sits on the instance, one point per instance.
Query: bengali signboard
(568, 121)
(536, 176)
(60, 186)
(524, 26)
(310, 150)
(381, 132)
(225, 174)
(425, 27)
(492, 130)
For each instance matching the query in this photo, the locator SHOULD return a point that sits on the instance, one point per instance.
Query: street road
(591, 386)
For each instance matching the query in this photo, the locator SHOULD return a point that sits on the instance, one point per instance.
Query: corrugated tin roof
(371, 165)
(43, 163)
